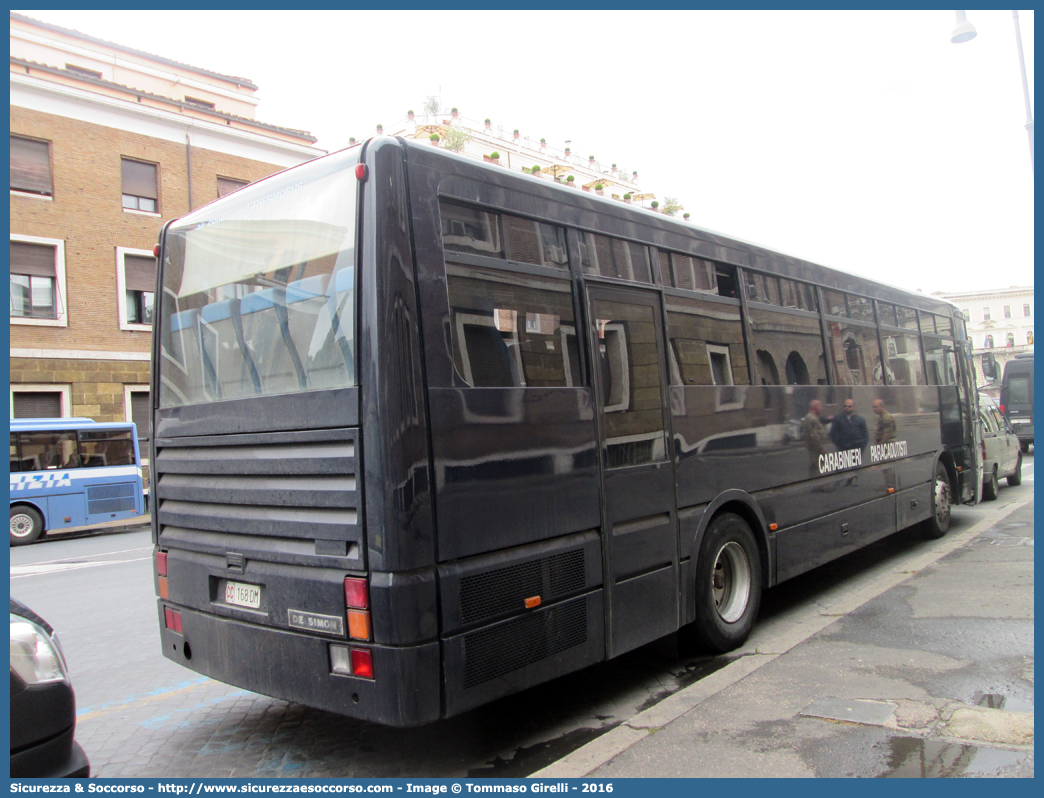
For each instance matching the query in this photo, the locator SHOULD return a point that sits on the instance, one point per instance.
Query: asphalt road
(141, 715)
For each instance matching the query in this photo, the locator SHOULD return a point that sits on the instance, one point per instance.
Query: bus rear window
(259, 289)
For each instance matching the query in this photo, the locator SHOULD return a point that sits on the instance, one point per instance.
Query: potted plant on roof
(493, 158)
(655, 206)
(634, 175)
(568, 152)
(590, 160)
(409, 115)
(536, 171)
(599, 189)
(685, 216)
(380, 129)
(351, 141)
(543, 143)
(489, 124)
(453, 112)
(434, 139)
(627, 197)
(570, 180)
(516, 134)
(614, 169)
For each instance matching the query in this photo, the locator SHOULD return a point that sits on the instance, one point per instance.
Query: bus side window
(706, 340)
(789, 347)
(630, 381)
(856, 353)
(512, 330)
(106, 448)
(46, 450)
(613, 257)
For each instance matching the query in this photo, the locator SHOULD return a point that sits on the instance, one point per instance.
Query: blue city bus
(71, 472)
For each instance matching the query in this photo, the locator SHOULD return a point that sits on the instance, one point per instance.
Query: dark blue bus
(429, 432)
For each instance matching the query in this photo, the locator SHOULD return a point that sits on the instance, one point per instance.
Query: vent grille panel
(501, 649)
(110, 498)
(260, 485)
(502, 590)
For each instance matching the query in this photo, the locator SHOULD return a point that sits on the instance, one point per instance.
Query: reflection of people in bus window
(815, 433)
(885, 423)
(848, 430)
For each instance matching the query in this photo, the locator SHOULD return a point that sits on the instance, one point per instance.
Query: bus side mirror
(989, 366)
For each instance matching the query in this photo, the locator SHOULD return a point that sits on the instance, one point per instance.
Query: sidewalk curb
(758, 653)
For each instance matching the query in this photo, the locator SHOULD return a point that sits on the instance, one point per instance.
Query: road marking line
(22, 571)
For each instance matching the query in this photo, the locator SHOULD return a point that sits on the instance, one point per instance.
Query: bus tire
(991, 486)
(26, 525)
(1015, 479)
(939, 521)
(728, 585)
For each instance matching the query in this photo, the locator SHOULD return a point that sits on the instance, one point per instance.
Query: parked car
(43, 707)
(1016, 397)
(1001, 453)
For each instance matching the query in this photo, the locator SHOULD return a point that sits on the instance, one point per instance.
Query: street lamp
(965, 32)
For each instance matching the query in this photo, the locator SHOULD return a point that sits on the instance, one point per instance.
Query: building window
(83, 72)
(1010, 341)
(226, 185)
(37, 281)
(31, 166)
(139, 410)
(967, 314)
(136, 284)
(199, 103)
(985, 314)
(988, 343)
(40, 401)
(1026, 310)
(1007, 311)
(139, 186)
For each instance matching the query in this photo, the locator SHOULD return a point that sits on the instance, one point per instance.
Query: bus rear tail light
(356, 593)
(172, 618)
(359, 624)
(346, 661)
(161, 563)
(164, 588)
(362, 663)
(1002, 409)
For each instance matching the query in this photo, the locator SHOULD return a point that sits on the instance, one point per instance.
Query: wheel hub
(730, 584)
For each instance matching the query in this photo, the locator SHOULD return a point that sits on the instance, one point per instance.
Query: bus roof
(30, 424)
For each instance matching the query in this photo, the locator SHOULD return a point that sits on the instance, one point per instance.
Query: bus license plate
(243, 595)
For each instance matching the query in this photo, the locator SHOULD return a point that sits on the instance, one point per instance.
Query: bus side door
(640, 558)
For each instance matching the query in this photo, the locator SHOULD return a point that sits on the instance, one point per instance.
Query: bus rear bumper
(405, 690)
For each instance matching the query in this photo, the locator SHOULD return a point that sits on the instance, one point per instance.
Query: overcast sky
(861, 140)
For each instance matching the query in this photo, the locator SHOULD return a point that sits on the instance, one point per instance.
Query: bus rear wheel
(728, 585)
(26, 525)
(939, 521)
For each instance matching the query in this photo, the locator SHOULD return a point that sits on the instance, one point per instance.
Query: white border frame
(121, 286)
(64, 389)
(62, 295)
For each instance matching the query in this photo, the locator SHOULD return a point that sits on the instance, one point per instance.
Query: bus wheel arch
(729, 572)
(27, 524)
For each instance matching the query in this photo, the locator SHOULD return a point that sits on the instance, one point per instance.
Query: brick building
(107, 144)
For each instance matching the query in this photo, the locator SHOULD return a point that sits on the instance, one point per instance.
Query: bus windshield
(258, 289)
